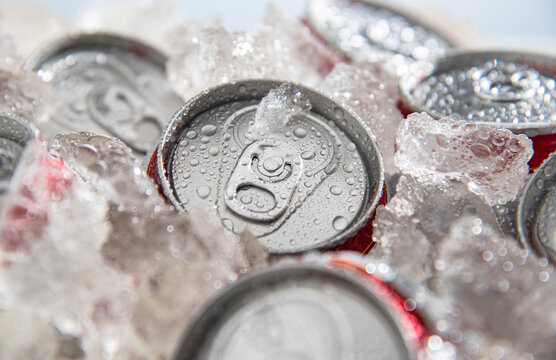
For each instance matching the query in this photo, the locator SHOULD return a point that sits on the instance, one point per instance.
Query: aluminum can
(515, 91)
(322, 307)
(15, 133)
(536, 211)
(369, 31)
(109, 85)
(312, 186)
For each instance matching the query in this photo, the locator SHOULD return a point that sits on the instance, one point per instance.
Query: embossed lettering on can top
(108, 85)
(302, 187)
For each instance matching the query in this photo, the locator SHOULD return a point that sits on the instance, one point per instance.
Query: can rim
(173, 127)
(67, 42)
(421, 70)
(314, 263)
(526, 238)
(22, 123)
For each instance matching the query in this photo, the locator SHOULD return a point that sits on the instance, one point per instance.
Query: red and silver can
(109, 85)
(515, 91)
(536, 211)
(339, 306)
(311, 185)
(370, 31)
(15, 133)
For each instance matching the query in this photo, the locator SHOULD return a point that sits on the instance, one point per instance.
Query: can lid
(311, 185)
(107, 84)
(15, 133)
(296, 312)
(505, 89)
(536, 211)
(369, 31)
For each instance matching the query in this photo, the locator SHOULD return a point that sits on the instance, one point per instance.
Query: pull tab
(501, 82)
(263, 181)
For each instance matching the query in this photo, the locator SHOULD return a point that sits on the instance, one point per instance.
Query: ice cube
(357, 87)
(500, 291)
(277, 108)
(408, 229)
(491, 161)
(90, 248)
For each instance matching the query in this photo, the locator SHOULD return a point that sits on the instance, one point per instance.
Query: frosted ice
(24, 95)
(280, 49)
(503, 294)
(408, 229)
(358, 87)
(107, 262)
(492, 162)
(277, 108)
(149, 21)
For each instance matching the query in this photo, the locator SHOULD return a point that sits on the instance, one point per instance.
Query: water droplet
(228, 224)
(208, 130)
(348, 168)
(339, 223)
(191, 134)
(300, 132)
(335, 190)
(338, 113)
(308, 155)
(350, 146)
(203, 191)
(213, 150)
(194, 162)
(273, 163)
(331, 168)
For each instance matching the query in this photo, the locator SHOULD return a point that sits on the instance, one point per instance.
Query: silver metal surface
(296, 312)
(368, 31)
(310, 186)
(108, 85)
(511, 90)
(14, 135)
(536, 212)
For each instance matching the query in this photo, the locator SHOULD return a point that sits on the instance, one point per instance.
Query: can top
(311, 185)
(107, 84)
(15, 133)
(369, 31)
(536, 211)
(506, 89)
(296, 311)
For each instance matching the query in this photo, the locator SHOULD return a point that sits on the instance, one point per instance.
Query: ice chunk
(312, 52)
(283, 51)
(491, 161)
(149, 21)
(277, 108)
(409, 228)
(106, 262)
(501, 292)
(357, 87)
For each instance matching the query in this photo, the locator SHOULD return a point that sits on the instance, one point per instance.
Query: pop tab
(308, 183)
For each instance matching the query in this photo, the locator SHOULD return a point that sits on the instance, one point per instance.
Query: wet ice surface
(503, 295)
(119, 280)
(493, 162)
(282, 48)
(359, 88)
(276, 109)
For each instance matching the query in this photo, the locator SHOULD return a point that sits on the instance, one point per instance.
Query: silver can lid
(15, 133)
(109, 85)
(368, 31)
(310, 186)
(536, 211)
(296, 312)
(506, 89)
